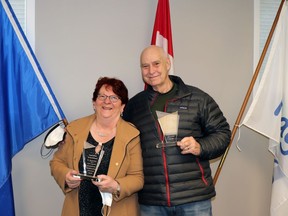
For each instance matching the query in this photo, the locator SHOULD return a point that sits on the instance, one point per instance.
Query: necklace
(103, 130)
(101, 134)
(105, 134)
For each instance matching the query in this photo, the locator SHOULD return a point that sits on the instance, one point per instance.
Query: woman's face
(108, 104)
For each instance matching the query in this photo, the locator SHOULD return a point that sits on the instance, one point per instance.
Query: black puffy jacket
(170, 177)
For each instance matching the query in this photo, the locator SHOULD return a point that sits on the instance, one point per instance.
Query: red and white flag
(162, 34)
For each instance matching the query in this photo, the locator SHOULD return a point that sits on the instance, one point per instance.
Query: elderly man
(178, 177)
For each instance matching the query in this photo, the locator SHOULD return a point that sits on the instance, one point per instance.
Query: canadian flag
(162, 34)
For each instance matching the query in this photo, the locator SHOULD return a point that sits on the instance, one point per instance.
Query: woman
(103, 139)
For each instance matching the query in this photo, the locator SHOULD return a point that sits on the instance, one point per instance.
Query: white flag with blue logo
(268, 113)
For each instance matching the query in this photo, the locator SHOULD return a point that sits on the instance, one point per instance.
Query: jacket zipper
(165, 168)
(165, 163)
(202, 172)
(164, 156)
(165, 159)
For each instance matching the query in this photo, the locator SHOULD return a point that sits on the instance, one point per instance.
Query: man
(178, 177)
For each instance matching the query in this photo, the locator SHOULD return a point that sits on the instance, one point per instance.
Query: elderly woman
(105, 146)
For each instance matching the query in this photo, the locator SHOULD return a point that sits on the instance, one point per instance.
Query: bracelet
(117, 192)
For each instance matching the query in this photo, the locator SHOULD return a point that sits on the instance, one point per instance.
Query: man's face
(154, 67)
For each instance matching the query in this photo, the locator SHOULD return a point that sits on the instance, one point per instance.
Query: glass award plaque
(91, 161)
(169, 125)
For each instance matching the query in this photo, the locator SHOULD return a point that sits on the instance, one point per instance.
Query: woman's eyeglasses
(112, 98)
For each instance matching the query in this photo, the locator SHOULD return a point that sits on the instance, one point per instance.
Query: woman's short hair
(117, 86)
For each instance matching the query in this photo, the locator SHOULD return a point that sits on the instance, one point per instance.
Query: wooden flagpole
(248, 94)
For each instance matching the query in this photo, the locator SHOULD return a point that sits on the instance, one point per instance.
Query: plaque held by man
(169, 125)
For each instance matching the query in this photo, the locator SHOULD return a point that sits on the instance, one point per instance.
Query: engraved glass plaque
(91, 160)
(169, 125)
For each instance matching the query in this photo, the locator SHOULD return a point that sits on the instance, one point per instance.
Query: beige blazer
(126, 166)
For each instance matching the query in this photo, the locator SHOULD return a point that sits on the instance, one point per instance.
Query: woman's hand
(71, 181)
(106, 184)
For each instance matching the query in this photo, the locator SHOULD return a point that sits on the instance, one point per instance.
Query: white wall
(79, 41)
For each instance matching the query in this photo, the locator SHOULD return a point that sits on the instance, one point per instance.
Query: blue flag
(28, 106)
